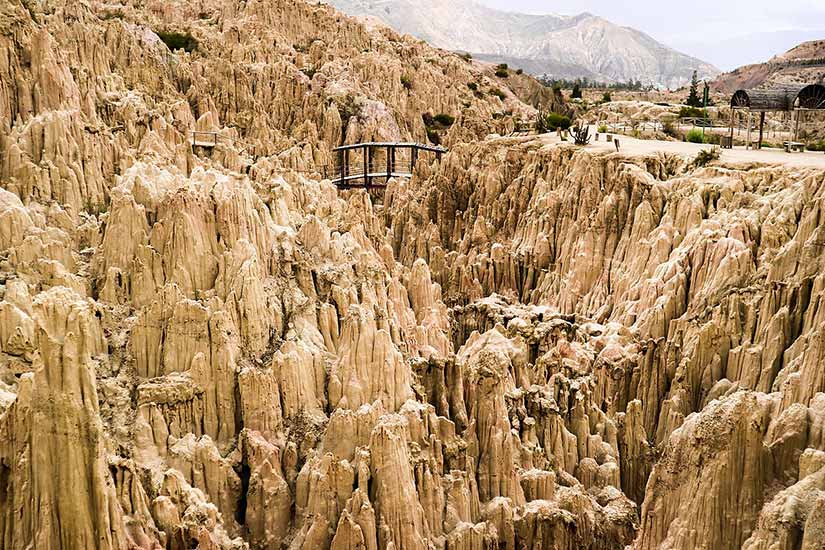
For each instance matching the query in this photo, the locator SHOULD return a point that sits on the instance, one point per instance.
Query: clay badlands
(524, 346)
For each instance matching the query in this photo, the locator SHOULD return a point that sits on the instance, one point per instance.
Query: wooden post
(366, 166)
(732, 115)
(342, 160)
(761, 127)
(796, 129)
(748, 145)
(414, 153)
(390, 154)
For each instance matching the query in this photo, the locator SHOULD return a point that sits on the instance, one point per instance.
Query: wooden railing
(372, 165)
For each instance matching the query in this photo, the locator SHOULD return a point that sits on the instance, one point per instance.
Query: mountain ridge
(562, 46)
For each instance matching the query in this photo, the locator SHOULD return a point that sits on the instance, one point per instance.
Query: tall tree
(577, 91)
(693, 99)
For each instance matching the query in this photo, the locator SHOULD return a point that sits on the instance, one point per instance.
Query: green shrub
(309, 71)
(691, 112)
(816, 146)
(712, 138)
(444, 119)
(519, 71)
(603, 129)
(406, 81)
(502, 73)
(606, 97)
(178, 41)
(467, 56)
(498, 93)
(576, 93)
(695, 136)
(503, 66)
(550, 122)
(473, 86)
(433, 136)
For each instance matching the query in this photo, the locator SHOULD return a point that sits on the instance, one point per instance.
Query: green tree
(577, 92)
(693, 99)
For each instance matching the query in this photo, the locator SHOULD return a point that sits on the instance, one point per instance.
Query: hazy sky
(704, 28)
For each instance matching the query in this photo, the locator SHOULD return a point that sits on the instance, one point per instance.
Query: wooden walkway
(372, 165)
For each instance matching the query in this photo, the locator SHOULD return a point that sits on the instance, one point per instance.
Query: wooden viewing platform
(376, 161)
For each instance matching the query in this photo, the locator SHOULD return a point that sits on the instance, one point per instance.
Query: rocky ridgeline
(526, 346)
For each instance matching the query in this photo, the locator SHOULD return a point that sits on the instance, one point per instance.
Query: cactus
(581, 134)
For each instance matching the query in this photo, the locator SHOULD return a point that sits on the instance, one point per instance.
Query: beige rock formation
(525, 346)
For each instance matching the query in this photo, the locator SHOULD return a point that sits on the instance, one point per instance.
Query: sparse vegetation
(695, 136)
(669, 129)
(816, 146)
(581, 134)
(606, 97)
(691, 112)
(444, 119)
(178, 41)
(706, 156)
(473, 86)
(406, 81)
(519, 71)
(550, 122)
(309, 71)
(498, 93)
(467, 56)
(502, 73)
(603, 129)
(577, 92)
(433, 136)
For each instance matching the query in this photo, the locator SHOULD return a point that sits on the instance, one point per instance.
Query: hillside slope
(804, 63)
(561, 46)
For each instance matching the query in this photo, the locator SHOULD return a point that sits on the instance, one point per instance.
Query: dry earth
(527, 345)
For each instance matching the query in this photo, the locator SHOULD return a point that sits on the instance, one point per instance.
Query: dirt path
(631, 145)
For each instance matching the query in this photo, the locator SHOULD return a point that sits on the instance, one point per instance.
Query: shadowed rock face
(526, 346)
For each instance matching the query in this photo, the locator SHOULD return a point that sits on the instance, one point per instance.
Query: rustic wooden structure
(361, 165)
(792, 98)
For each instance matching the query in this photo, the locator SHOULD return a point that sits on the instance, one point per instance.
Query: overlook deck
(372, 165)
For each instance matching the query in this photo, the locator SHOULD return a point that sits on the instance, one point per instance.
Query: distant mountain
(804, 63)
(560, 46)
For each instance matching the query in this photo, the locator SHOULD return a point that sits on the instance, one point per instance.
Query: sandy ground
(631, 145)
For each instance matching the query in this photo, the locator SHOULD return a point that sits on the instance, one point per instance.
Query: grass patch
(178, 41)
(603, 129)
(406, 81)
(695, 136)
